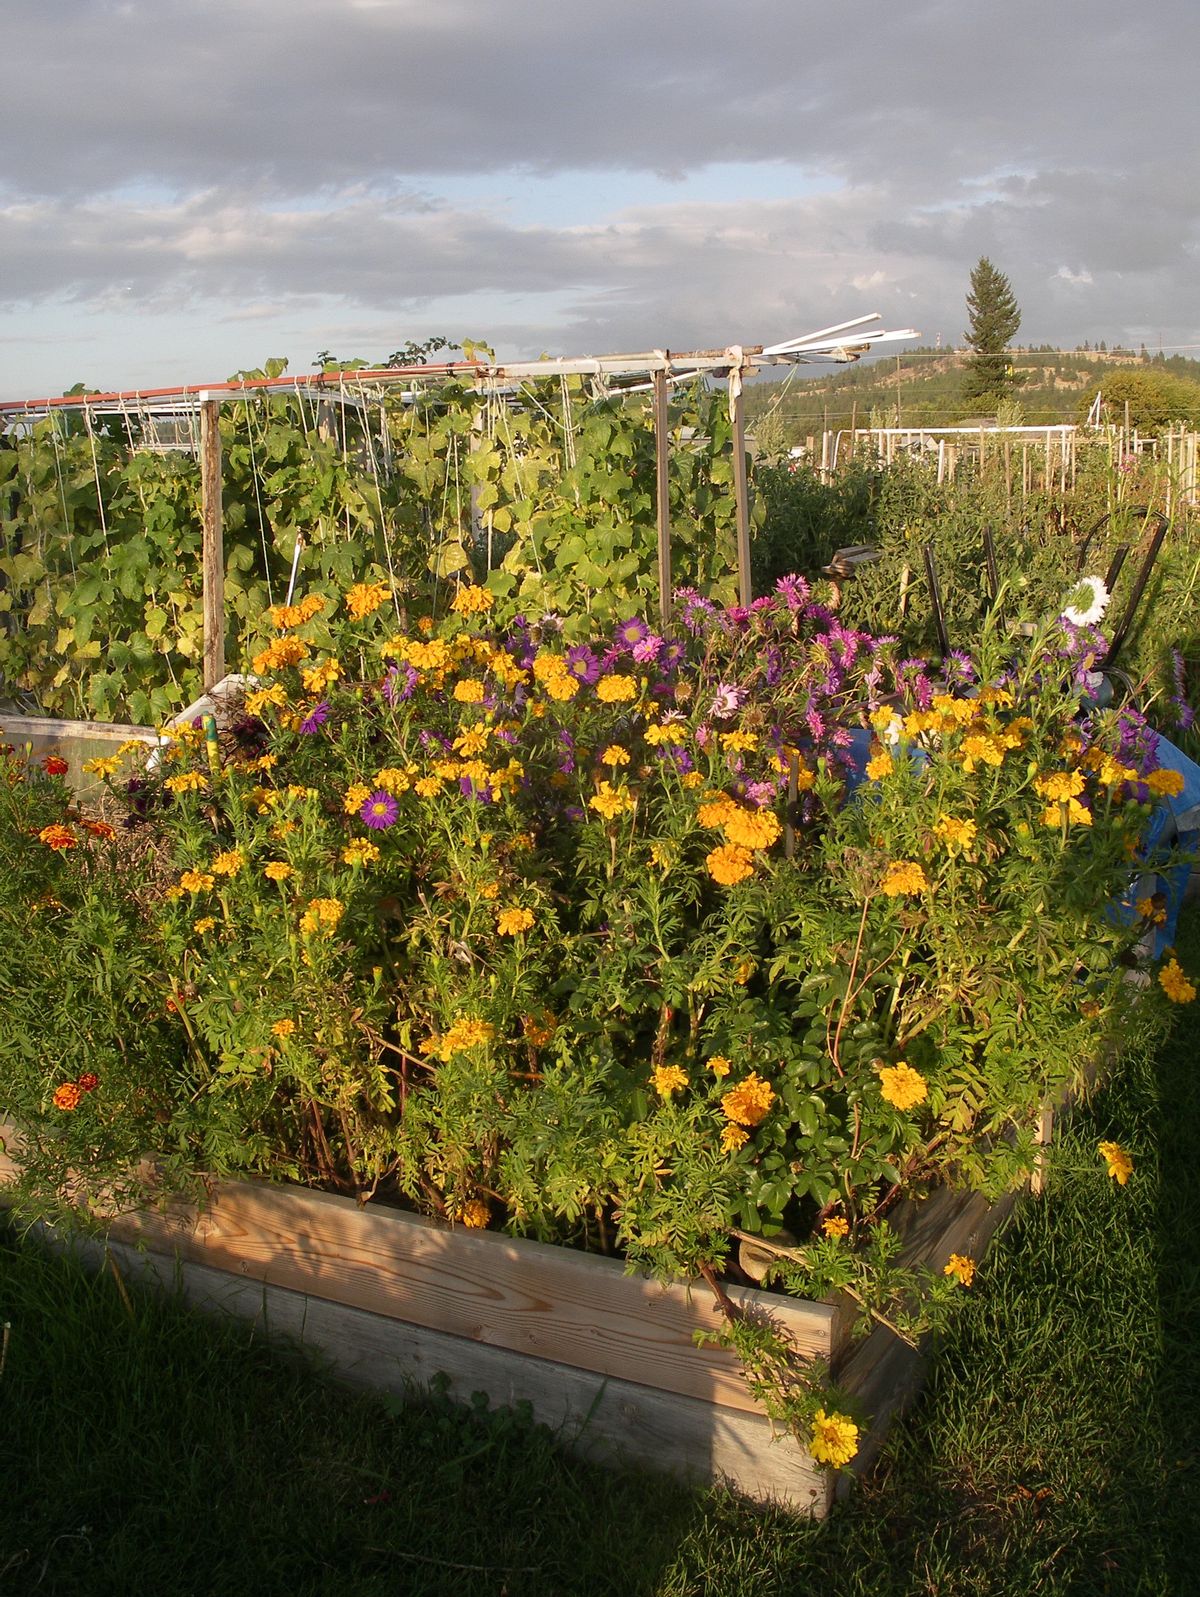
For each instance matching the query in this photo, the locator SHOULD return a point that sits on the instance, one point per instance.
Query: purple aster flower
(815, 723)
(379, 810)
(682, 759)
(468, 789)
(673, 656)
(582, 664)
(774, 666)
(393, 692)
(793, 590)
(315, 718)
(959, 668)
(630, 633)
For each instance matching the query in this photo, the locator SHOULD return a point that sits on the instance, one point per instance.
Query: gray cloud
(260, 160)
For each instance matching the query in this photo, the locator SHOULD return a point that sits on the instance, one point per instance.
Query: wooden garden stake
(793, 788)
(1042, 1138)
(662, 457)
(213, 542)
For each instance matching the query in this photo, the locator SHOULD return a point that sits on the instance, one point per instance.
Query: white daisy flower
(1088, 602)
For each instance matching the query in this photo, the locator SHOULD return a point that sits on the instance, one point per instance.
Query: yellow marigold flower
(364, 598)
(955, 712)
(919, 721)
(67, 1096)
(1149, 910)
(204, 924)
(196, 881)
(317, 678)
(1111, 772)
(360, 851)
(904, 876)
(1059, 786)
(427, 786)
(748, 1102)
(836, 1226)
(730, 864)
(981, 748)
(662, 855)
(720, 1066)
(1175, 984)
(993, 694)
(472, 741)
(614, 755)
(489, 891)
(834, 1438)
(610, 801)
(105, 766)
(276, 656)
(284, 828)
(186, 782)
(955, 833)
(616, 689)
(739, 742)
(563, 687)
(692, 779)
(669, 1079)
(322, 914)
(733, 1137)
(469, 691)
(751, 828)
(1071, 812)
(472, 601)
(229, 863)
(283, 1028)
(656, 734)
(743, 972)
(257, 701)
(510, 922)
(547, 665)
(356, 796)
(278, 870)
(960, 1266)
(716, 812)
(474, 1214)
(902, 1086)
(431, 656)
(880, 765)
(463, 1035)
(1120, 1165)
(1167, 784)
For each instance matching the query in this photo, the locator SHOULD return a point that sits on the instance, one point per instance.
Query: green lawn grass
(146, 1450)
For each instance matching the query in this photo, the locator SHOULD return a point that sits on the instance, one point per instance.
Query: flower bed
(633, 944)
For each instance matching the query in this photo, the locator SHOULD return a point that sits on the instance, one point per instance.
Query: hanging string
(87, 421)
(262, 515)
(384, 531)
(68, 533)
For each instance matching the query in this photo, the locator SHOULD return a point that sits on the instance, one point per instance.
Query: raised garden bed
(605, 1357)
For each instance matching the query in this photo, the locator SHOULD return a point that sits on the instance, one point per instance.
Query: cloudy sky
(190, 186)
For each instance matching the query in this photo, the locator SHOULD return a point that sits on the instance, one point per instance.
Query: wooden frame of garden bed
(606, 1357)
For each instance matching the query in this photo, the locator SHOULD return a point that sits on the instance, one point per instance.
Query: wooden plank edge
(605, 1419)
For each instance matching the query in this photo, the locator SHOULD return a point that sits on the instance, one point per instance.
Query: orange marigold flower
(67, 1096)
(55, 765)
(1120, 1165)
(1175, 984)
(880, 765)
(836, 1226)
(954, 833)
(730, 864)
(961, 1267)
(322, 914)
(57, 837)
(1167, 784)
(719, 1065)
(750, 1101)
(317, 678)
(229, 863)
(616, 689)
(510, 922)
(669, 1079)
(196, 881)
(472, 601)
(283, 1028)
(474, 1214)
(539, 1029)
(364, 598)
(751, 828)
(277, 870)
(902, 1086)
(733, 1137)
(904, 876)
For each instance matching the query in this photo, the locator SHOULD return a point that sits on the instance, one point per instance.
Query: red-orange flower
(88, 1082)
(67, 1096)
(57, 837)
(97, 828)
(55, 765)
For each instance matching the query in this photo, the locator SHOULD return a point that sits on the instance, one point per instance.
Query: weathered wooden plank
(603, 1418)
(550, 1302)
(662, 495)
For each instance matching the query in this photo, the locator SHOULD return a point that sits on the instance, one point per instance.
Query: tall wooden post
(662, 457)
(741, 491)
(213, 544)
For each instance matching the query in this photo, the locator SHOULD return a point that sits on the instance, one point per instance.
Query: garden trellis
(519, 468)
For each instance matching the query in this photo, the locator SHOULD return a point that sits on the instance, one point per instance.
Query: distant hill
(923, 388)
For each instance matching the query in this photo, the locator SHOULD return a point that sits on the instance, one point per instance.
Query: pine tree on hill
(995, 317)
